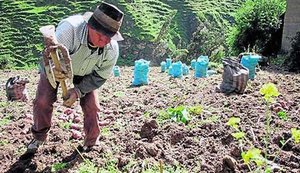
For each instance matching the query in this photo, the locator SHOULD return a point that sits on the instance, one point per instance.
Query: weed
(160, 167)
(3, 104)
(282, 115)
(87, 167)
(146, 115)
(58, 167)
(6, 120)
(269, 92)
(65, 125)
(119, 94)
(211, 119)
(4, 142)
(253, 154)
(179, 114)
(295, 135)
(105, 131)
(195, 110)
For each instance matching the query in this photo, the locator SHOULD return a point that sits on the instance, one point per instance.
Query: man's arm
(89, 83)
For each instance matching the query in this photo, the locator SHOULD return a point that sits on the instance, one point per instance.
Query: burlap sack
(235, 77)
(16, 89)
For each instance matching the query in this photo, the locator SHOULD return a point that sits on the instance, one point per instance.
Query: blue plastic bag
(185, 69)
(193, 64)
(141, 70)
(116, 71)
(176, 69)
(201, 67)
(250, 61)
(163, 66)
(168, 62)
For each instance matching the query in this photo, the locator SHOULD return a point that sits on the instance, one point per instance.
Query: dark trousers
(46, 95)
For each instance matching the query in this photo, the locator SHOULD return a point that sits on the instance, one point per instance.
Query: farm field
(138, 135)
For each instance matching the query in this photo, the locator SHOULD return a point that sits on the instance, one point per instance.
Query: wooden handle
(54, 56)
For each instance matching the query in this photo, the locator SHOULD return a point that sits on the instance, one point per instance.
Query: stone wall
(291, 23)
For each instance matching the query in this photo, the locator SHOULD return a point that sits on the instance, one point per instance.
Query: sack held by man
(16, 89)
(235, 77)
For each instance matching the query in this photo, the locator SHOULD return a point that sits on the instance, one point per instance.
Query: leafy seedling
(269, 91)
(253, 155)
(238, 135)
(195, 110)
(6, 120)
(4, 142)
(296, 135)
(65, 125)
(58, 167)
(282, 115)
(179, 114)
(233, 122)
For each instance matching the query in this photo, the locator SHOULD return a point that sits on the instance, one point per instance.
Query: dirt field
(137, 136)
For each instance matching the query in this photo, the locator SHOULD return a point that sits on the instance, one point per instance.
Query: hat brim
(117, 37)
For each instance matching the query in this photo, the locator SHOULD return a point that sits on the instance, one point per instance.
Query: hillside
(152, 29)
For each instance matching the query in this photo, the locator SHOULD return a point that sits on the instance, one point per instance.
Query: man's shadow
(25, 163)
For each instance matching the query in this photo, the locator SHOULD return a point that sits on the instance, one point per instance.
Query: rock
(230, 163)
(149, 129)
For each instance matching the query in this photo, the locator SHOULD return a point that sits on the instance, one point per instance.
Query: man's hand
(71, 98)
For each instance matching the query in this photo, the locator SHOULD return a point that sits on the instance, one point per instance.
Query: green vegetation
(166, 22)
(180, 113)
(252, 154)
(58, 167)
(257, 23)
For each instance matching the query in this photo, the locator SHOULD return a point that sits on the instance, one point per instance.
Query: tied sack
(16, 89)
(235, 77)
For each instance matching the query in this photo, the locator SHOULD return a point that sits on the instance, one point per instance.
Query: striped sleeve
(65, 35)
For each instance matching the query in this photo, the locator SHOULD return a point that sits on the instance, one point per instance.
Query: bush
(257, 23)
(293, 61)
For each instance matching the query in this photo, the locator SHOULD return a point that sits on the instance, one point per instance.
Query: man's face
(97, 38)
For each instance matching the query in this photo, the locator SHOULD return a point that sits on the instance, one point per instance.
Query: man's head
(106, 20)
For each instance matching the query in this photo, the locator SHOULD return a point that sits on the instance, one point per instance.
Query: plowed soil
(135, 138)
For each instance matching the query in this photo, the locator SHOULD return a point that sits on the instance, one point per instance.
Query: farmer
(91, 40)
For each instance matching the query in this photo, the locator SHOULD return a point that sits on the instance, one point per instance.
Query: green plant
(65, 125)
(4, 121)
(195, 110)
(256, 24)
(105, 131)
(253, 154)
(58, 167)
(269, 91)
(208, 120)
(282, 115)
(179, 114)
(295, 135)
(234, 122)
(119, 94)
(87, 167)
(4, 142)
(162, 168)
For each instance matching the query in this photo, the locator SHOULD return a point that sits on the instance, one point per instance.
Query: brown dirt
(133, 139)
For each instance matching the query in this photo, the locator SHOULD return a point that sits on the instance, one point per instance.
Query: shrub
(257, 23)
(293, 61)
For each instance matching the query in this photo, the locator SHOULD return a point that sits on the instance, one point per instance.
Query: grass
(151, 20)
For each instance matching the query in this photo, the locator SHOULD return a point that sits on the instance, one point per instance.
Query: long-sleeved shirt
(94, 67)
